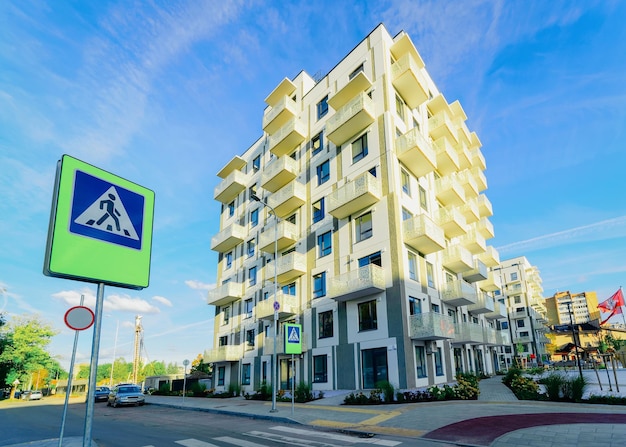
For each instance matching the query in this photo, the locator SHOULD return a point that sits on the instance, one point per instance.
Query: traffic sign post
(293, 338)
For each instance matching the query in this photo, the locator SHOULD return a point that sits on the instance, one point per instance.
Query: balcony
(285, 88)
(351, 119)
(441, 126)
(491, 284)
(478, 159)
(490, 335)
(470, 210)
(458, 293)
(228, 238)
(286, 235)
(457, 258)
(484, 227)
(288, 199)
(431, 326)
(465, 156)
(278, 173)
(479, 178)
(490, 257)
(278, 115)
(469, 333)
(447, 158)
(228, 353)
(287, 138)
(225, 294)
(356, 85)
(409, 80)
(467, 180)
(365, 190)
(364, 281)
(451, 221)
(230, 187)
(416, 153)
(483, 305)
(478, 273)
(484, 206)
(449, 191)
(289, 306)
(474, 242)
(499, 311)
(291, 266)
(422, 234)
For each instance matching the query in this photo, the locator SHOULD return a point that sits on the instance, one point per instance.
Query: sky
(165, 93)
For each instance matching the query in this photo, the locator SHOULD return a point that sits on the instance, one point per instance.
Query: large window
(420, 362)
(319, 285)
(256, 163)
(324, 244)
(323, 173)
(250, 339)
(317, 143)
(322, 107)
(430, 274)
(231, 209)
(290, 289)
(400, 107)
(374, 366)
(415, 306)
(320, 369)
(374, 258)
(412, 266)
(254, 218)
(252, 276)
(229, 259)
(514, 276)
(250, 248)
(406, 182)
(423, 198)
(221, 375)
(226, 316)
(223, 340)
(406, 214)
(367, 316)
(325, 324)
(438, 363)
(318, 210)
(359, 148)
(245, 374)
(363, 225)
(248, 306)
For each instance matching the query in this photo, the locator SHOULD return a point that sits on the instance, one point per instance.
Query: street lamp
(571, 320)
(185, 364)
(276, 304)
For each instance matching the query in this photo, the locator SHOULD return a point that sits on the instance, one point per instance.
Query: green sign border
(291, 347)
(77, 257)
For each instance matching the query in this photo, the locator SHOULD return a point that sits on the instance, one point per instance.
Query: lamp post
(571, 320)
(185, 364)
(276, 304)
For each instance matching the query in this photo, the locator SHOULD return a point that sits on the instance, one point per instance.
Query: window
(320, 369)
(374, 366)
(325, 324)
(517, 299)
(420, 362)
(514, 276)
(256, 163)
(264, 372)
(416, 124)
(406, 214)
(290, 289)
(250, 248)
(367, 316)
(358, 70)
(291, 219)
(252, 276)
(322, 107)
(318, 210)
(226, 316)
(248, 308)
(524, 334)
(231, 209)
(317, 144)
(412, 266)
(324, 244)
(363, 226)
(430, 274)
(359, 148)
(406, 183)
(521, 323)
(245, 374)
(229, 259)
(252, 191)
(374, 258)
(438, 363)
(504, 325)
(415, 306)
(221, 375)
(223, 341)
(319, 285)
(254, 217)
(323, 173)
(423, 199)
(400, 107)
(434, 308)
(250, 338)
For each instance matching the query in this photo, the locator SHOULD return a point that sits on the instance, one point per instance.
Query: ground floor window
(320, 369)
(458, 360)
(420, 362)
(245, 374)
(374, 363)
(286, 373)
(438, 363)
(221, 375)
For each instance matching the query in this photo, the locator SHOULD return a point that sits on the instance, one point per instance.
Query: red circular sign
(79, 318)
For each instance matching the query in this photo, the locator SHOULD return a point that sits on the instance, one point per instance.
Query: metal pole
(117, 327)
(275, 359)
(571, 320)
(93, 366)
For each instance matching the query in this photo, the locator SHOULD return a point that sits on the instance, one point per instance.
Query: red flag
(612, 304)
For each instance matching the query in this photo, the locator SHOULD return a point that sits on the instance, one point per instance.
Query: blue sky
(164, 93)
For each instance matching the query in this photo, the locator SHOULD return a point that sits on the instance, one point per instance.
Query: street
(154, 426)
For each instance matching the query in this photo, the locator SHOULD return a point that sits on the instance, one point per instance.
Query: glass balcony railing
(365, 190)
(416, 152)
(286, 139)
(285, 235)
(228, 238)
(351, 119)
(422, 234)
(230, 187)
(228, 353)
(278, 115)
(431, 326)
(358, 283)
(458, 293)
(279, 173)
(409, 80)
(226, 293)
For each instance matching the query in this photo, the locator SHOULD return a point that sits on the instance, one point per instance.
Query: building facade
(364, 200)
(572, 308)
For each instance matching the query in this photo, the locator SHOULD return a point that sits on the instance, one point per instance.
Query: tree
(199, 365)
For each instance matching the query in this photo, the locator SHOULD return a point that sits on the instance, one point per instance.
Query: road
(152, 426)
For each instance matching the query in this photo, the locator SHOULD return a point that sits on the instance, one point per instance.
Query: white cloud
(198, 285)
(162, 300)
(112, 302)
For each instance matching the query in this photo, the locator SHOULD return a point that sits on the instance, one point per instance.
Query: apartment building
(572, 308)
(522, 293)
(363, 205)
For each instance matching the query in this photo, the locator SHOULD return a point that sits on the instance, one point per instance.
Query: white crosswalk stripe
(334, 436)
(195, 443)
(239, 442)
(290, 440)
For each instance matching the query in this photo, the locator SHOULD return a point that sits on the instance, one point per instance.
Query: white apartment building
(380, 233)
(522, 293)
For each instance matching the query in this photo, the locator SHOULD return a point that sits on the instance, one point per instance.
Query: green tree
(154, 368)
(199, 365)
(172, 368)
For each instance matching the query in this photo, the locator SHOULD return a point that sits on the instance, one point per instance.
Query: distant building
(567, 308)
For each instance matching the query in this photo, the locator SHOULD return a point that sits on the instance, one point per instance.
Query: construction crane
(137, 348)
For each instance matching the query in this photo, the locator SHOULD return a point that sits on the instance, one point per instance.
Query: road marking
(194, 443)
(333, 436)
(239, 442)
(289, 440)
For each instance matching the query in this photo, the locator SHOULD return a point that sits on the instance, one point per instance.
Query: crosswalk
(285, 435)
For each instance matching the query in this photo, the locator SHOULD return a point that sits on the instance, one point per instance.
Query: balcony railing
(409, 80)
(474, 242)
(484, 227)
(365, 190)
(484, 206)
(465, 156)
(470, 211)
(228, 353)
(288, 137)
(278, 173)
(278, 115)
(417, 154)
(228, 238)
(469, 333)
(286, 235)
(431, 326)
(478, 273)
(483, 305)
(230, 187)
(478, 159)
(490, 257)
(422, 234)
(458, 293)
(451, 221)
(291, 266)
(479, 178)
(457, 258)
(350, 119)
(441, 126)
(358, 283)
(492, 283)
(449, 191)
(467, 180)
(358, 84)
(499, 311)
(289, 306)
(226, 293)
(490, 335)
(447, 158)
(288, 198)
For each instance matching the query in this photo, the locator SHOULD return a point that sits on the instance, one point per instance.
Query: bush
(234, 389)
(608, 400)
(511, 374)
(303, 393)
(197, 389)
(554, 386)
(525, 388)
(466, 387)
(576, 388)
(387, 390)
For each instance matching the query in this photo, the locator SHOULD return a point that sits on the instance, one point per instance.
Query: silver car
(126, 395)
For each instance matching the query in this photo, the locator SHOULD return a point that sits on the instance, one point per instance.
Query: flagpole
(623, 318)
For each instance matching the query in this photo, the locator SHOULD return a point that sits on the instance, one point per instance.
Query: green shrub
(197, 389)
(466, 387)
(303, 393)
(234, 389)
(387, 391)
(608, 400)
(577, 386)
(511, 374)
(554, 383)
(525, 388)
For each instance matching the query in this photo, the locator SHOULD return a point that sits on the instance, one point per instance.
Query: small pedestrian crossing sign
(293, 338)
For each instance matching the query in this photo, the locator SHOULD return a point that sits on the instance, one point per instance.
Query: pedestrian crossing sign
(293, 338)
(100, 227)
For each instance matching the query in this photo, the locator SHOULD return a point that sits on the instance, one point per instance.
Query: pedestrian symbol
(294, 334)
(293, 338)
(107, 213)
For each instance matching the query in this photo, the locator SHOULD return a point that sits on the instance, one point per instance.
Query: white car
(35, 395)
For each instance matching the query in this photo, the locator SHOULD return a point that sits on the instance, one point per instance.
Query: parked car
(101, 394)
(126, 395)
(35, 395)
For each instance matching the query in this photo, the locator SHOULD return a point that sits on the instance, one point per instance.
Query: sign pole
(93, 366)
